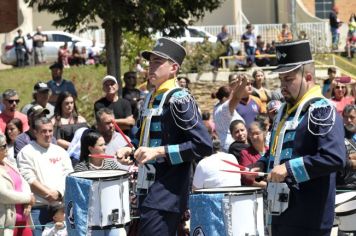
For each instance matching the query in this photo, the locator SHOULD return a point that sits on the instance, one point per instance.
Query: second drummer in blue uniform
(306, 149)
(170, 137)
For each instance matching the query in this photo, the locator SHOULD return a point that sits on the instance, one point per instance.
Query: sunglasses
(13, 100)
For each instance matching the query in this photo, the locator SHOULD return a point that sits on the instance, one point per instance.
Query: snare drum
(227, 211)
(97, 199)
(346, 214)
(341, 199)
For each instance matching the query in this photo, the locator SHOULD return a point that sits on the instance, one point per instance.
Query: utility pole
(294, 19)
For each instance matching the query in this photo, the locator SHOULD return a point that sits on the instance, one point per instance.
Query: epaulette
(180, 96)
(321, 117)
(184, 109)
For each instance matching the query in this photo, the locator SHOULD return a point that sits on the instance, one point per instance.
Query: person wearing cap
(121, 107)
(34, 113)
(44, 166)
(10, 99)
(171, 135)
(306, 147)
(58, 85)
(40, 95)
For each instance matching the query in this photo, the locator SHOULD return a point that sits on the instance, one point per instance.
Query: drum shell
(234, 205)
(346, 214)
(109, 191)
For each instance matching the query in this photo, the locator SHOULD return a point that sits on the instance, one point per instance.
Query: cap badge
(279, 55)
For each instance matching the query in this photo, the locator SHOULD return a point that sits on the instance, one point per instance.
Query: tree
(142, 17)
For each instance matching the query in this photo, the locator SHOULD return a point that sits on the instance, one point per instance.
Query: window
(61, 38)
(323, 8)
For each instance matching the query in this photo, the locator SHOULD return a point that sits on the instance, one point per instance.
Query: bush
(202, 56)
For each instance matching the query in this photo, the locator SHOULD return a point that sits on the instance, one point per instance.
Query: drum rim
(247, 190)
(99, 178)
(348, 200)
(347, 212)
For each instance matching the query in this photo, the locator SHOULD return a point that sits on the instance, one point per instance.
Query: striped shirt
(108, 164)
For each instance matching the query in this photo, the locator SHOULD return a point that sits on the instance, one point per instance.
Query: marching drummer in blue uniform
(170, 137)
(306, 149)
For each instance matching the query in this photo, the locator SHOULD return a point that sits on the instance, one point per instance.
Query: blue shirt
(64, 86)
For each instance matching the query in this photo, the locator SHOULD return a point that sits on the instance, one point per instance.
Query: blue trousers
(157, 222)
(250, 52)
(334, 37)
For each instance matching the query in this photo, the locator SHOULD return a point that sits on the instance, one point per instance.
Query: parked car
(55, 39)
(195, 34)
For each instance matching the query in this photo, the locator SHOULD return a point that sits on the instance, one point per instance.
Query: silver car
(55, 39)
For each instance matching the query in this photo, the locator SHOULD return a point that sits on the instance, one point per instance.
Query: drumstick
(100, 156)
(118, 129)
(261, 174)
(236, 165)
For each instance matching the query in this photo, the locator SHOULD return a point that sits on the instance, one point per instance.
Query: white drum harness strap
(146, 173)
(278, 193)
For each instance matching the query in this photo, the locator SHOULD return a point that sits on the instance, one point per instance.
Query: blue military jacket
(313, 152)
(181, 131)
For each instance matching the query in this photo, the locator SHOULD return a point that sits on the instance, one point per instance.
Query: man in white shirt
(226, 112)
(208, 173)
(113, 140)
(44, 166)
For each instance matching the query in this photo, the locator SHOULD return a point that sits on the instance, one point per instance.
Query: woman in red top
(256, 137)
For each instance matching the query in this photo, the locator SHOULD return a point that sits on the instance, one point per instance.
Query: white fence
(318, 33)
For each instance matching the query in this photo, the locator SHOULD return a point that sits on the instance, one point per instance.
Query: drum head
(228, 190)
(100, 174)
(344, 197)
(345, 209)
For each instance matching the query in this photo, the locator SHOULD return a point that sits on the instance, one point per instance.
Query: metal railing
(318, 33)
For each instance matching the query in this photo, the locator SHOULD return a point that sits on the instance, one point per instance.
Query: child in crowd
(58, 226)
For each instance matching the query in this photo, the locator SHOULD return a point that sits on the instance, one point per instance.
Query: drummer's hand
(252, 177)
(278, 174)
(123, 155)
(145, 154)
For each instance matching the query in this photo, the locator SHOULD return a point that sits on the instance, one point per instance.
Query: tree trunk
(113, 39)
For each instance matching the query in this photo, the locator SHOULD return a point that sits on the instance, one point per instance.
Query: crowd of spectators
(49, 139)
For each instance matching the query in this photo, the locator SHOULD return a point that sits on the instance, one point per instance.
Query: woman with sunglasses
(339, 96)
(10, 99)
(16, 198)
